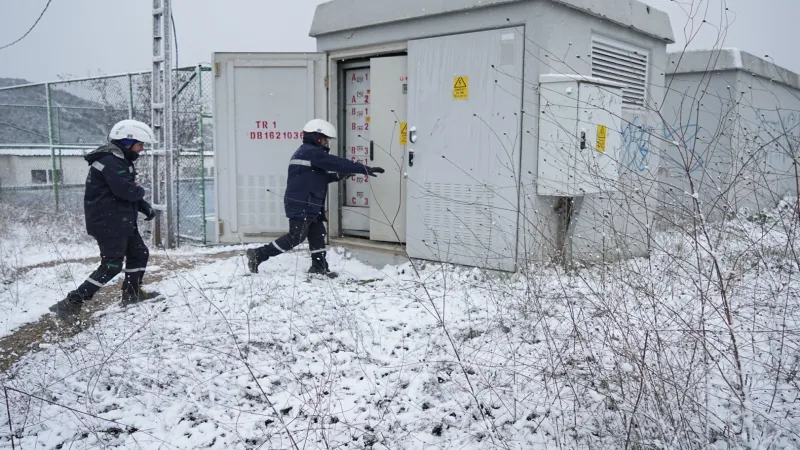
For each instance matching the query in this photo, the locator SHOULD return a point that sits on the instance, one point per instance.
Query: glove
(371, 171)
(151, 214)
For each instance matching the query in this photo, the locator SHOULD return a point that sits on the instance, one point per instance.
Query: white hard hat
(322, 127)
(132, 129)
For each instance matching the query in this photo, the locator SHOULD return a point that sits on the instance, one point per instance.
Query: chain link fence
(47, 128)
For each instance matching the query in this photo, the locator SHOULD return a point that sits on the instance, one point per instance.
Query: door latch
(410, 157)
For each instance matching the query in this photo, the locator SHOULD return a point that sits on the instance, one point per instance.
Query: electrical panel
(579, 138)
(357, 134)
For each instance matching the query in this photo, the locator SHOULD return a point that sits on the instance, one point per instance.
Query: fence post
(130, 96)
(202, 153)
(51, 138)
(10, 426)
(176, 135)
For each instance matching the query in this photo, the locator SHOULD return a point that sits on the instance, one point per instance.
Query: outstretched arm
(339, 165)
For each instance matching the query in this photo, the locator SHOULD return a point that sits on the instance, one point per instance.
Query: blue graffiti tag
(786, 128)
(789, 122)
(636, 144)
(685, 136)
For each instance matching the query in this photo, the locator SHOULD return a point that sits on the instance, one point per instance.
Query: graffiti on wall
(636, 144)
(780, 137)
(787, 124)
(684, 153)
(684, 136)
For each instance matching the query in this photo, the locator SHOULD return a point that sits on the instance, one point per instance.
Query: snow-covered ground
(634, 354)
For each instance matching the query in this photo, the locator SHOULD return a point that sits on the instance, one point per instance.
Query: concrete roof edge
(730, 59)
(646, 24)
(639, 17)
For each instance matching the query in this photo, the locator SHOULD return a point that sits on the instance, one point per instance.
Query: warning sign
(403, 133)
(460, 88)
(602, 130)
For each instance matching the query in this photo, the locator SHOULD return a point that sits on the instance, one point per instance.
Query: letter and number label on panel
(357, 134)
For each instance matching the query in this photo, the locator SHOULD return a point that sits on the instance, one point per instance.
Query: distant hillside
(12, 82)
(85, 113)
(77, 120)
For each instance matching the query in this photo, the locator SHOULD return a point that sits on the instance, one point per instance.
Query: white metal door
(261, 103)
(465, 102)
(599, 117)
(388, 148)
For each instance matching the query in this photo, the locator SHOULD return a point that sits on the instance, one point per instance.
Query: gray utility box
(577, 154)
(447, 97)
(732, 127)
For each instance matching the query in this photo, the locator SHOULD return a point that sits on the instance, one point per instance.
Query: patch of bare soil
(51, 330)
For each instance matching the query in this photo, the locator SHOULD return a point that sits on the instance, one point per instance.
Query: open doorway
(373, 131)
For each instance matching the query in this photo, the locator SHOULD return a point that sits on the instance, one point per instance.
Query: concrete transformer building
(510, 130)
(732, 126)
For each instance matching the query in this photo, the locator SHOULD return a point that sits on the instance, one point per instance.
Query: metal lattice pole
(162, 122)
(51, 139)
(130, 96)
(200, 119)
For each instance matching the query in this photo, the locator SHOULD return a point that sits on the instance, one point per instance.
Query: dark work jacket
(112, 199)
(310, 170)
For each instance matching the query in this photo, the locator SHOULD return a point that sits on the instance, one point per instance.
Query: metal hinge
(220, 228)
(326, 82)
(216, 68)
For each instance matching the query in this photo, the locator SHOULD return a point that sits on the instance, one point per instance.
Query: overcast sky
(79, 38)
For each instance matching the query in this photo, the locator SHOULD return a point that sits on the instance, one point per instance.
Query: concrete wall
(733, 136)
(607, 226)
(768, 139)
(16, 170)
(73, 169)
(558, 41)
(6, 173)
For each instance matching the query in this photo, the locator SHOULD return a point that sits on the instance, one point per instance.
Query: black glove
(150, 213)
(371, 171)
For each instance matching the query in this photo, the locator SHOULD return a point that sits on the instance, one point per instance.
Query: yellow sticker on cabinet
(403, 133)
(602, 131)
(460, 88)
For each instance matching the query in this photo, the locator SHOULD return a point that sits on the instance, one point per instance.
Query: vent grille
(624, 65)
(458, 216)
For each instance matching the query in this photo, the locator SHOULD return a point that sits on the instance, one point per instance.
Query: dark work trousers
(113, 251)
(299, 230)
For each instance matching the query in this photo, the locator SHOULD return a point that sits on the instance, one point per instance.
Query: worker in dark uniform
(311, 168)
(111, 203)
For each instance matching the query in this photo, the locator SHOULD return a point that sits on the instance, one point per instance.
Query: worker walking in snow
(111, 204)
(311, 168)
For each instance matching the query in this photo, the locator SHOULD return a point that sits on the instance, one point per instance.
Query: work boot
(69, 307)
(320, 267)
(133, 297)
(252, 260)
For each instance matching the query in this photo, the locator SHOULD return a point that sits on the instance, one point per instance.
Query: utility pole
(162, 123)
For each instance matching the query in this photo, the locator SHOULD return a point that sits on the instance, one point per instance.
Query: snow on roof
(345, 15)
(698, 61)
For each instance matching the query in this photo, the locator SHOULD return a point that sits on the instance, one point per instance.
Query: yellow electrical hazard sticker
(403, 133)
(460, 88)
(602, 130)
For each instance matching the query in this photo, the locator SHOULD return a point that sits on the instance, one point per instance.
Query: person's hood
(313, 139)
(119, 152)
